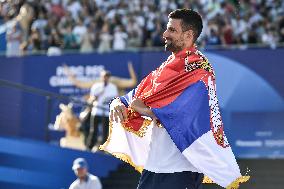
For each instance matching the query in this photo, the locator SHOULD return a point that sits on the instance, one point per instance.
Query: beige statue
(68, 122)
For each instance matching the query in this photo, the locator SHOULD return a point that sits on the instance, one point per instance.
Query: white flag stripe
(216, 162)
(128, 143)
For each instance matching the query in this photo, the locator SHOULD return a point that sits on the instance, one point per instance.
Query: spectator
(233, 20)
(281, 29)
(101, 92)
(105, 40)
(269, 38)
(239, 26)
(79, 30)
(57, 9)
(35, 41)
(213, 38)
(85, 179)
(65, 22)
(157, 39)
(69, 39)
(87, 41)
(14, 39)
(54, 43)
(119, 39)
(134, 33)
(227, 33)
(74, 7)
(40, 23)
(25, 16)
(252, 37)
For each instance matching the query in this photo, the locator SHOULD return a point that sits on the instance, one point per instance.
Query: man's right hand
(118, 111)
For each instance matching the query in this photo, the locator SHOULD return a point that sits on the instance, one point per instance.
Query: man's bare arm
(76, 82)
(123, 82)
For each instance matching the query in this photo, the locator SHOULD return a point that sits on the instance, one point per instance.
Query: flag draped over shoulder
(182, 95)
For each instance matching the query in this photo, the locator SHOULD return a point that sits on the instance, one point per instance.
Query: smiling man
(170, 126)
(182, 30)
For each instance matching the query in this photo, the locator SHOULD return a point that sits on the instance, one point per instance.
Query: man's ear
(190, 34)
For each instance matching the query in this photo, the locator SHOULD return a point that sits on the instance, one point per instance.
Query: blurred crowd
(105, 25)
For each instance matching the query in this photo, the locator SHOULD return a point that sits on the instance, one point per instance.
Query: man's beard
(170, 46)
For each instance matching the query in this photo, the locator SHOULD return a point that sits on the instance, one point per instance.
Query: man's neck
(83, 179)
(185, 48)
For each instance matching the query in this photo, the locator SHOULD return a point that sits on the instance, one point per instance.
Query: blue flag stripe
(126, 99)
(188, 117)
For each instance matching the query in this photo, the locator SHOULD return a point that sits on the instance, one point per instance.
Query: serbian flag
(182, 95)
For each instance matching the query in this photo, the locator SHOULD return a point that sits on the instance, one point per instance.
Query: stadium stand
(101, 25)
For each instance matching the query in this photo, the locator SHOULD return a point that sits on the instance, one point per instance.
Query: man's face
(81, 172)
(105, 78)
(175, 38)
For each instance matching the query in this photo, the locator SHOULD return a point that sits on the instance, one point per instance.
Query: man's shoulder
(111, 86)
(196, 60)
(95, 181)
(93, 177)
(74, 184)
(98, 84)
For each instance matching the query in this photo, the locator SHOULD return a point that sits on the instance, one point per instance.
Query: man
(85, 179)
(100, 95)
(185, 137)
(101, 92)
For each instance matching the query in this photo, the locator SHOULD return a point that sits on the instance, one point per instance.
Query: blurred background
(48, 46)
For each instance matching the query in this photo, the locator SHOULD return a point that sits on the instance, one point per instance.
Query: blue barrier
(30, 164)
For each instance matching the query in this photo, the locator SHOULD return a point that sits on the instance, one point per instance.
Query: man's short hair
(106, 73)
(79, 163)
(190, 20)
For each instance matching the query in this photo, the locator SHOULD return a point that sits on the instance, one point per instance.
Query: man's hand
(139, 106)
(118, 111)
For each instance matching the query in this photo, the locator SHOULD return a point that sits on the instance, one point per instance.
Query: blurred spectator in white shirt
(269, 38)
(119, 39)
(14, 39)
(105, 40)
(87, 41)
(79, 30)
(39, 24)
(134, 33)
(239, 25)
(74, 7)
